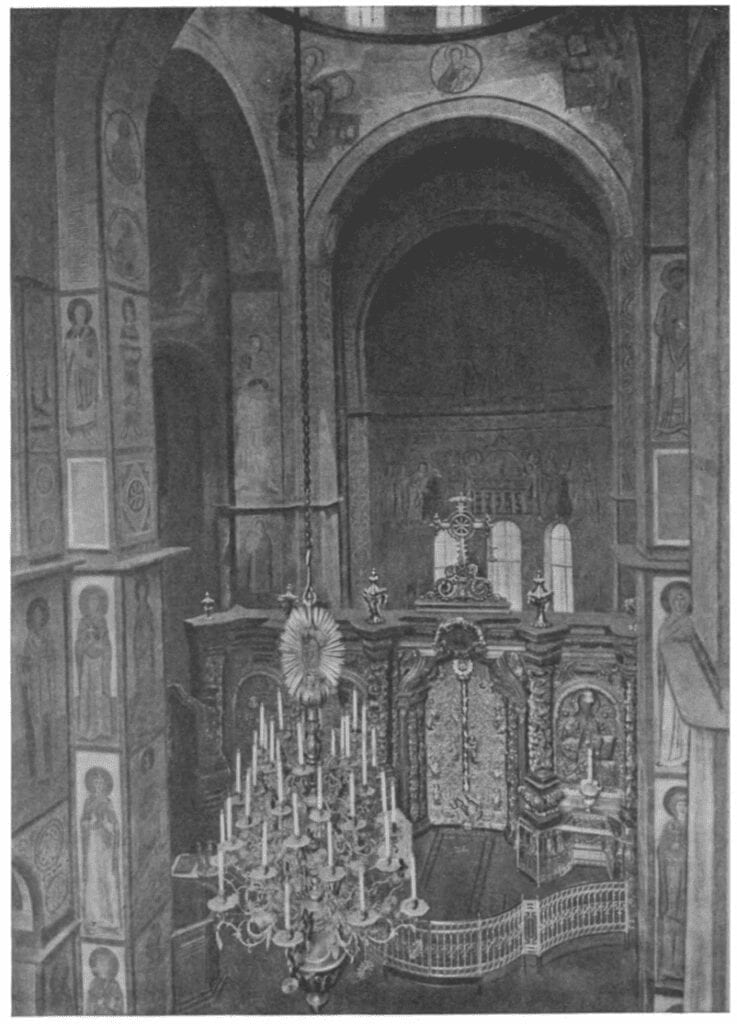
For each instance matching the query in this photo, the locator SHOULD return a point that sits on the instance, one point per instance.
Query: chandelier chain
(304, 329)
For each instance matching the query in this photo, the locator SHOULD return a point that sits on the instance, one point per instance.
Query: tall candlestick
(332, 743)
(319, 787)
(247, 796)
(254, 756)
(238, 770)
(229, 817)
(348, 736)
(374, 762)
(355, 708)
(287, 908)
(352, 793)
(262, 725)
(342, 735)
(300, 743)
(590, 756)
(222, 826)
(295, 814)
(279, 775)
(361, 890)
(387, 838)
(265, 844)
(394, 802)
(364, 761)
(280, 708)
(383, 792)
(413, 877)
(272, 742)
(221, 870)
(330, 844)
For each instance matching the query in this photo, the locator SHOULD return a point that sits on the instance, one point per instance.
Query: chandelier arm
(303, 322)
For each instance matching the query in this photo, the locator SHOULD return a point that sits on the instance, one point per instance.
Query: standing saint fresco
(104, 996)
(671, 855)
(38, 670)
(143, 637)
(82, 368)
(100, 831)
(93, 657)
(677, 628)
(671, 327)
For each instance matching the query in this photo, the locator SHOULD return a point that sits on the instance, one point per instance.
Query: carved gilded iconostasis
(516, 280)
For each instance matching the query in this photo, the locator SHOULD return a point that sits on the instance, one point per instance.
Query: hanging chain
(309, 595)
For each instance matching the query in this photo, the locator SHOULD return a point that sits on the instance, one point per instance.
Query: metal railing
(470, 949)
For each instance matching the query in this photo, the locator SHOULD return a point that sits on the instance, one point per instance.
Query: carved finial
(208, 604)
(630, 606)
(288, 600)
(375, 598)
(539, 597)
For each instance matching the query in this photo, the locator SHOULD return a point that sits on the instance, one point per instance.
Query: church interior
(370, 621)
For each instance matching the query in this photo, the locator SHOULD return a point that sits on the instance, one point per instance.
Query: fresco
(670, 346)
(672, 623)
(103, 980)
(672, 497)
(39, 708)
(94, 633)
(152, 966)
(671, 811)
(44, 847)
(59, 981)
(99, 843)
(82, 374)
(88, 516)
(130, 371)
(149, 830)
(145, 694)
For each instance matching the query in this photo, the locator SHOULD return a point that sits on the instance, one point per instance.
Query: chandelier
(314, 856)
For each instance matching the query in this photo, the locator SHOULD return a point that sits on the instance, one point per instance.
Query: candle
(238, 770)
(262, 724)
(364, 717)
(229, 817)
(355, 708)
(347, 737)
(221, 871)
(222, 826)
(319, 787)
(279, 775)
(342, 735)
(361, 891)
(413, 877)
(590, 754)
(364, 761)
(295, 814)
(287, 908)
(352, 793)
(254, 755)
(248, 795)
(374, 762)
(300, 743)
(272, 742)
(387, 838)
(330, 844)
(332, 743)
(280, 708)
(264, 844)
(394, 802)
(383, 792)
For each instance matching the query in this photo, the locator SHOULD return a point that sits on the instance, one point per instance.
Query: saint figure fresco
(677, 628)
(93, 656)
(100, 831)
(104, 997)
(82, 368)
(671, 855)
(671, 327)
(38, 672)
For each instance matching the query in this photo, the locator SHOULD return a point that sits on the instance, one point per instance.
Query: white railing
(470, 949)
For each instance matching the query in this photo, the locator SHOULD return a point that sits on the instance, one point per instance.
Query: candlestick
(300, 743)
(590, 757)
(264, 844)
(247, 796)
(374, 762)
(347, 736)
(332, 743)
(352, 793)
(413, 877)
(355, 708)
(364, 718)
(254, 756)
(295, 814)
(394, 802)
(330, 844)
(221, 870)
(287, 908)
(238, 770)
(361, 890)
(222, 826)
(229, 817)
(280, 709)
(279, 775)
(383, 792)
(262, 725)
(272, 745)
(364, 761)
(387, 838)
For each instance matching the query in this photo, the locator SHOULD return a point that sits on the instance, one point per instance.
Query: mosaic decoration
(326, 122)
(82, 373)
(44, 846)
(44, 505)
(103, 980)
(125, 245)
(95, 659)
(135, 501)
(455, 68)
(99, 836)
(123, 147)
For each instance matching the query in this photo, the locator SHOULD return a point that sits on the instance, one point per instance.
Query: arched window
(446, 553)
(559, 566)
(458, 17)
(505, 562)
(364, 17)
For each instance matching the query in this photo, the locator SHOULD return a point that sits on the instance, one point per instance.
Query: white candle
(332, 743)
(279, 775)
(262, 724)
(300, 743)
(287, 908)
(238, 770)
(280, 708)
(383, 792)
(247, 796)
(361, 891)
(264, 844)
(347, 737)
(374, 762)
(229, 817)
(355, 708)
(387, 838)
(342, 735)
(221, 870)
(413, 877)
(295, 814)
(394, 802)
(364, 761)
(254, 756)
(330, 844)
(590, 753)
(364, 717)
(272, 741)
(319, 787)
(222, 826)
(352, 793)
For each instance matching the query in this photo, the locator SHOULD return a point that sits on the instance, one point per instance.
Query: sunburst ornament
(312, 653)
